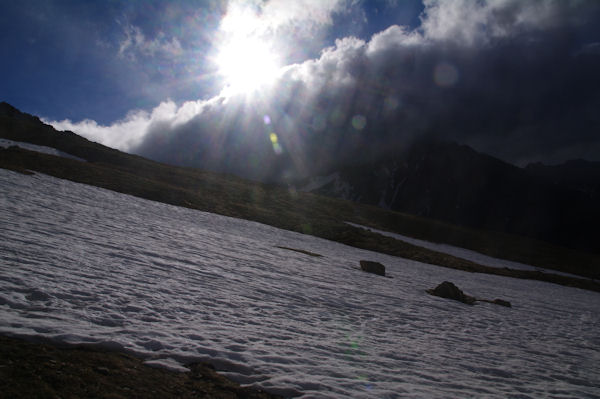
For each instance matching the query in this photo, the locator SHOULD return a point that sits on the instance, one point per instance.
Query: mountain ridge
(577, 174)
(454, 183)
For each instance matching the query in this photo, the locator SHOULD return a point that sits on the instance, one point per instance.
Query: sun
(246, 63)
(245, 57)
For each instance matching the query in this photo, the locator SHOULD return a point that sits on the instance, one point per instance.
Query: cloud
(480, 22)
(306, 15)
(514, 89)
(589, 49)
(135, 44)
(294, 30)
(129, 132)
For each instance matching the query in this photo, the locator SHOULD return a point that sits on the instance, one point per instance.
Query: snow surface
(83, 264)
(5, 143)
(464, 253)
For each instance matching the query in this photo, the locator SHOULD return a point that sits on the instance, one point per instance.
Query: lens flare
(445, 75)
(359, 122)
(275, 143)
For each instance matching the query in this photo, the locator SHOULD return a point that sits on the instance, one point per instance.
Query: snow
(83, 264)
(463, 253)
(5, 143)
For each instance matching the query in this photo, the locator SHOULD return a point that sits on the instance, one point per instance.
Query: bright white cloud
(129, 132)
(394, 36)
(307, 15)
(333, 67)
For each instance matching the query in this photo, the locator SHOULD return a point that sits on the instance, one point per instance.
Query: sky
(279, 89)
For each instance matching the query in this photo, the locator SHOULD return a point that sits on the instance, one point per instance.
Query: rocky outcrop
(372, 267)
(450, 291)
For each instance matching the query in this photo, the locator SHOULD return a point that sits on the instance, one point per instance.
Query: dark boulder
(502, 302)
(450, 291)
(372, 267)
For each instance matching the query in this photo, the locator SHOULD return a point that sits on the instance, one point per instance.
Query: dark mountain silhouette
(456, 184)
(19, 126)
(577, 174)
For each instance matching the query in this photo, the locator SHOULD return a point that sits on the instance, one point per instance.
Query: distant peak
(8, 110)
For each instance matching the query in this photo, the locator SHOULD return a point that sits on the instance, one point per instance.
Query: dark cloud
(518, 80)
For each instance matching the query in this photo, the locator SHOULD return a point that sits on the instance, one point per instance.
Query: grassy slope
(36, 370)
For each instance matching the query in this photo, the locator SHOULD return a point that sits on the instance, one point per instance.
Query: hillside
(277, 206)
(33, 369)
(577, 174)
(455, 184)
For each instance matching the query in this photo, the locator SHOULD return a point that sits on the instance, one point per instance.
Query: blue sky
(62, 59)
(514, 78)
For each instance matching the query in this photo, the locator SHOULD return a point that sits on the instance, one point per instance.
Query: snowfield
(5, 143)
(83, 264)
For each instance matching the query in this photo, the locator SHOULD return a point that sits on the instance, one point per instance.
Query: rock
(450, 291)
(36, 295)
(502, 302)
(372, 267)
